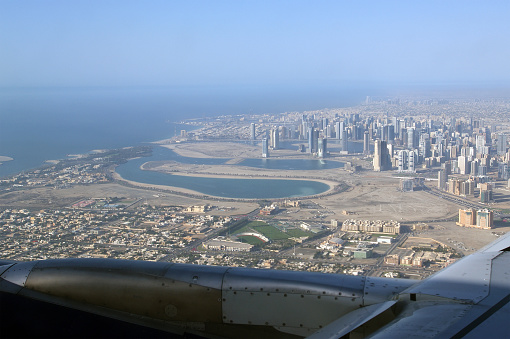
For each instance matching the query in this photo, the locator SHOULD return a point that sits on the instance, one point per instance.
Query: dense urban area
(424, 182)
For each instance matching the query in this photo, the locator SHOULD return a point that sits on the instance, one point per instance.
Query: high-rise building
(454, 186)
(442, 178)
(474, 168)
(265, 148)
(322, 148)
(329, 131)
(325, 123)
(381, 160)
(345, 144)
(252, 131)
(310, 139)
(338, 131)
(391, 134)
(366, 143)
(410, 138)
(501, 144)
(503, 171)
(313, 140)
(275, 138)
(412, 161)
(485, 196)
(467, 218)
(484, 219)
(463, 163)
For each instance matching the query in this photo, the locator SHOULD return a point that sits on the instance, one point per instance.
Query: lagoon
(230, 188)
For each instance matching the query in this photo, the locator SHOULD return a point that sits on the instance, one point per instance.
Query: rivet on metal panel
(171, 311)
(285, 294)
(302, 296)
(235, 292)
(300, 325)
(283, 324)
(224, 299)
(268, 294)
(318, 297)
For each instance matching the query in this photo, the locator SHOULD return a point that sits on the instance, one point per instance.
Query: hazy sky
(110, 43)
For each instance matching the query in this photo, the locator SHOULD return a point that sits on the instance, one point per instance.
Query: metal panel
(251, 280)
(129, 287)
(112, 265)
(495, 326)
(4, 268)
(206, 276)
(423, 320)
(18, 273)
(285, 309)
(287, 298)
(351, 321)
(498, 245)
(381, 289)
(467, 280)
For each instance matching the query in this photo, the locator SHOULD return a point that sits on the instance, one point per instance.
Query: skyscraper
(366, 143)
(275, 138)
(501, 144)
(344, 141)
(381, 160)
(252, 131)
(322, 148)
(410, 138)
(463, 164)
(265, 148)
(442, 178)
(310, 139)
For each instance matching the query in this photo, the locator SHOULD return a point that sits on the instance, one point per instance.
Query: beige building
(483, 219)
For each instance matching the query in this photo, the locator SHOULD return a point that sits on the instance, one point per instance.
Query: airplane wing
(467, 298)
(470, 299)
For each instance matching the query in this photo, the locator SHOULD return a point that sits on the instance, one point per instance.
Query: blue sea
(39, 124)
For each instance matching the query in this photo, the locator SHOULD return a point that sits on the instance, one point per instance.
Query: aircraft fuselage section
(200, 298)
